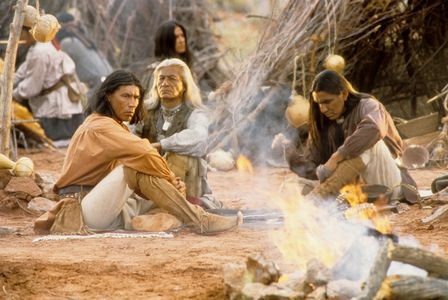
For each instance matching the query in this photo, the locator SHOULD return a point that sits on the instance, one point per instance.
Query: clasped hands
(325, 170)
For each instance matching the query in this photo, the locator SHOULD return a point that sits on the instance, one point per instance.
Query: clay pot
(334, 62)
(45, 29)
(31, 16)
(297, 111)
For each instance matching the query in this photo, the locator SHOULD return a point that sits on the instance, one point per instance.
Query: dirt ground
(187, 266)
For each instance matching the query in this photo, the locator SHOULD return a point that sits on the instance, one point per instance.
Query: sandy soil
(188, 266)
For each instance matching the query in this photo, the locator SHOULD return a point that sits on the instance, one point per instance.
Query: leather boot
(167, 197)
(346, 172)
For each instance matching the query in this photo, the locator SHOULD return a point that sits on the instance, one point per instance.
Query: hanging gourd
(297, 111)
(335, 63)
(31, 16)
(45, 28)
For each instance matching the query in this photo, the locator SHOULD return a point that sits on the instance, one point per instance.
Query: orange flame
(303, 237)
(244, 165)
(362, 210)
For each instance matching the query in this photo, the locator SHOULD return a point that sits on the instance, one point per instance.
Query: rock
(41, 204)
(294, 281)
(51, 196)
(343, 289)
(261, 270)
(155, 222)
(234, 280)
(259, 291)
(317, 273)
(318, 294)
(24, 185)
(7, 201)
(7, 230)
(5, 177)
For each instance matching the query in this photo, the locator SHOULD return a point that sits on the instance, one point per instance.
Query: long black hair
(116, 79)
(165, 42)
(334, 83)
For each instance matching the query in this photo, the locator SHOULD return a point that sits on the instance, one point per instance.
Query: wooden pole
(7, 77)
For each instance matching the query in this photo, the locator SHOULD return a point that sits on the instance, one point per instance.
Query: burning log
(378, 271)
(413, 288)
(436, 265)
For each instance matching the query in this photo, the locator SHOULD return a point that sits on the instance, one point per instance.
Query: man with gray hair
(177, 125)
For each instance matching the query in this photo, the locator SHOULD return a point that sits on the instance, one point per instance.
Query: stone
(155, 222)
(5, 177)
(234, 279)
(317, 273)
(41, 204)
(51, 196)
(261, 270)
(294, 281)
(25, 185)
(320, 293)
(259, 291)
(343, 289)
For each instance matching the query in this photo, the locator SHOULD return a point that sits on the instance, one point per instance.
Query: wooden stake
(436, 265)
(7, 78)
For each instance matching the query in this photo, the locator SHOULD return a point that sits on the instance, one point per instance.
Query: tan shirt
(99, 145)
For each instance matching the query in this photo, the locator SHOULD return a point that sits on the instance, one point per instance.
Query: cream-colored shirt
(43, 67)
(99, 145)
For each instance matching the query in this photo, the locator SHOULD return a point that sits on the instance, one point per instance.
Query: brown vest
(152, 127)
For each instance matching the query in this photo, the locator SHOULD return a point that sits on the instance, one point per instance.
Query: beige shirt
(99, 145)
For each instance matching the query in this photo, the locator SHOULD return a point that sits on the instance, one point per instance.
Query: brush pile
(396, 50)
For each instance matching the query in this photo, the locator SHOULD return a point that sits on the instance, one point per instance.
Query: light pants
(381, 168)
(109, 198)
(108, 205)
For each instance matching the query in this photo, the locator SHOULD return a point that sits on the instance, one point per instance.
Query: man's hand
(158, 146)
(180, 186)
(332, 163)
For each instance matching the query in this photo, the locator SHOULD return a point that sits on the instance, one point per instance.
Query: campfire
(339, 254)
(244, 165)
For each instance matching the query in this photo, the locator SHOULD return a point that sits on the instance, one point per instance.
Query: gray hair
(192, 93)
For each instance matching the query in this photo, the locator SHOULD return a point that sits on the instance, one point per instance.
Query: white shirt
(43, 67)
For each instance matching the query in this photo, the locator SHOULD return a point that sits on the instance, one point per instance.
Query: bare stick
(7, 78)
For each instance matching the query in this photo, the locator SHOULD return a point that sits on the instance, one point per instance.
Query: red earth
(187, 266)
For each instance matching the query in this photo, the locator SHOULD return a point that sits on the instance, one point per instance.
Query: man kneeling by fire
(105, 163)
(351, 135)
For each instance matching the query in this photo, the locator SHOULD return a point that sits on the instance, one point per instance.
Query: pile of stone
(30, 193)
(261, 279)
